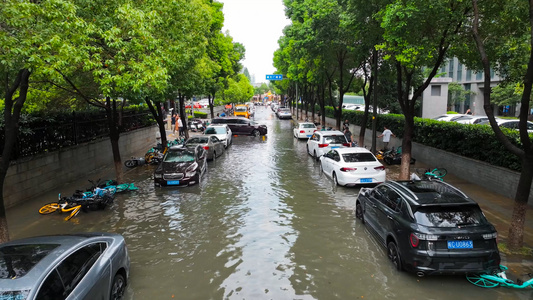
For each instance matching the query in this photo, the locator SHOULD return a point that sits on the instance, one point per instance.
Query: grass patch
(525, 251)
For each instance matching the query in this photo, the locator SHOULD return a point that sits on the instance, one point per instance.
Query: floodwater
(263, 224)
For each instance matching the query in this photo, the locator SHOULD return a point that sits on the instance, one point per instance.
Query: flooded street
(263, 224)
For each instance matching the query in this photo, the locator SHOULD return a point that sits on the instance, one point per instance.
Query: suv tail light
(490, 236)
(322, 145)
(380, 168)
(206, 147)
(302, 131)
(346, 144)
(348, 169)
(414, 240)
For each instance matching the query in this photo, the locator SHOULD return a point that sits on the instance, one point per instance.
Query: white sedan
(221, 131)
(352, 166)
(304, 130)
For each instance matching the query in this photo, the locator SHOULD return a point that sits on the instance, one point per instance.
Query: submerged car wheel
(394, 255)
(335, 180)
(118, 287)
(359, 212)
(256, 132)
(315, 156)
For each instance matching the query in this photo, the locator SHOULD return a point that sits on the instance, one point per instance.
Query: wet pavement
(263, 224)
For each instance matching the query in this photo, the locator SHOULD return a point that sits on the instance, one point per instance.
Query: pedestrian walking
(346, 124)
(179, 124)
(386, 137)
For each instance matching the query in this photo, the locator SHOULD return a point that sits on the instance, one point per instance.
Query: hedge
(473, 141)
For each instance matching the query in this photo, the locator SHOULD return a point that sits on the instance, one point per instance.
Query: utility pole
(375, 98)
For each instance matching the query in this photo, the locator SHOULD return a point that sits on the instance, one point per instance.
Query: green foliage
(476, 141)
(200, 115)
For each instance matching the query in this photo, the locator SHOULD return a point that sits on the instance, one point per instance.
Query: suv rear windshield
(335, 139)
(17, 260)
(450, 216)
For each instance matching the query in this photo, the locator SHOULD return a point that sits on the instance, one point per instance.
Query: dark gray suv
(242, 126)
(429, 227)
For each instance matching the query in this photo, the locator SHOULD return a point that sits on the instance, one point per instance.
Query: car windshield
(198, 140)
(215, 130)
(358, 157)
(335, 139)
(17, 260)
(179, 156)
(308, 126)
(240, 109)
(450, 216)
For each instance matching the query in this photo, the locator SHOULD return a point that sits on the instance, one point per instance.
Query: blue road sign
(274, 77)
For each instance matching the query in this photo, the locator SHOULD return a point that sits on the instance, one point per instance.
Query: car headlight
(191, 170)
(156, 175)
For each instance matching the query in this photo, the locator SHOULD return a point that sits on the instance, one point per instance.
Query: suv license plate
(460, 244)
(365, 180)
(173, 182)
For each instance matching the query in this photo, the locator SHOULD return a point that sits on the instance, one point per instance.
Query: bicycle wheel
(130, 163)
(74, 212)
(439, 172)
(480, 281)
(49, 208)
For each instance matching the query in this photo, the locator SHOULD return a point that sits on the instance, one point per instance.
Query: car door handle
(389, 217)
(374, 206)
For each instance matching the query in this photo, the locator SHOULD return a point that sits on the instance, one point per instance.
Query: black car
(181, 166)
(429, 227)
(240, 125)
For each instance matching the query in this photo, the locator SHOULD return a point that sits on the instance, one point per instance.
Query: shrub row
(473, 141)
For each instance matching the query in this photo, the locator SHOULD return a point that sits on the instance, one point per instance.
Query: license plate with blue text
(460, 244)
(173, 182)
(365, 180)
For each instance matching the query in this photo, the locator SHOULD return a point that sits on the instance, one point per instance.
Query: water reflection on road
(263, 224)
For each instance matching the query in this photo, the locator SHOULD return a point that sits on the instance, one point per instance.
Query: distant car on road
(240, 125)
(352, 166)
(284, 113)
(469, 119)
(511, 124)
(82, 266)
(181, 166)
(448, 117)
(429, 227)
(304, 130)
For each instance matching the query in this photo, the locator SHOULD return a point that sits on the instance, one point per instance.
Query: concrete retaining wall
(42, 173)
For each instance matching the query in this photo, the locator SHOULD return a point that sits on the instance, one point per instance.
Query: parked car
(240, 125)
(304, 130)
(323, 141)
(181, 166)
(511, 124)
(448, 117)
(284, 113)
(429, 227)
(211, 144)
(222, 132)
(77, 266)
(469, 119)
(352, 166)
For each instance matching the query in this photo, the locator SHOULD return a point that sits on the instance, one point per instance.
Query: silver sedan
(213, 145)
(80, 266)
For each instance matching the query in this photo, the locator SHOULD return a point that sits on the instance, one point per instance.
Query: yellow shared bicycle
(62, 207)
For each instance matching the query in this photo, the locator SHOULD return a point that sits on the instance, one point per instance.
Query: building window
(435, 90)
(459, 71)
(491, 73)
(479, 76)
(450, 70)
(468, 75)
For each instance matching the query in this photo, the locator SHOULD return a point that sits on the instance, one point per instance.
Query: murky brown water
(264, 224)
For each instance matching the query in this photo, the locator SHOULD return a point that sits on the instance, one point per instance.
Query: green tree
(457, 94)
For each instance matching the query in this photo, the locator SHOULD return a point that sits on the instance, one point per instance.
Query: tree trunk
(158, 116)
(407, 143)
(211, 104)
(516, 230)
(114, 135)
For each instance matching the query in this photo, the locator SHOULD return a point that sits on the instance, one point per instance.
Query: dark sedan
(429, 227)
(211, 144)
(79, 266)
(240, 125)
(181, 166)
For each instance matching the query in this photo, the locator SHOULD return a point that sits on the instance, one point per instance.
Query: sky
(257, 24)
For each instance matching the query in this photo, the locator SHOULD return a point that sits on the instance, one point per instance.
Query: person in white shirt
(386, 137)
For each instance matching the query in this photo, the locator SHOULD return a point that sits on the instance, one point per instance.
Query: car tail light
(346, 144)
(206, 147)
(348, 169)
(414, 240)
(380, 168)
(489, 236)
(302, 131)
(322, 145)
